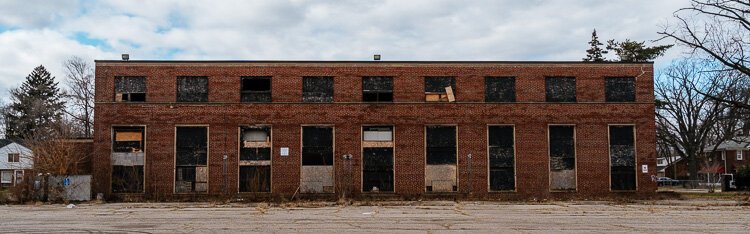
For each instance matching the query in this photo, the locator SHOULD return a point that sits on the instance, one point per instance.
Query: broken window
(127, 159)
(622, 157)
(561, 89)
(441, 169)
(439, 88)
(377, 89)
(255, 179)
(502, 157)
(191, 174)
(500, 89)
(619, 89)
(562, 157)
(192, 89)
(377, 169)
(317, 89)
(441, 145)
(317, 160)
(127, 179)
(130, 89)
(256, 89)
(317, 146)
(377, 157)
(255, 159)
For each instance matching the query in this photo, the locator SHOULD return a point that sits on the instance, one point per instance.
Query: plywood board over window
(439, 88)
(128, 159)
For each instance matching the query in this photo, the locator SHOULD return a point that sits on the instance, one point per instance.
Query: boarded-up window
(191, 145)
(255, 179)
(619, 89)
(256, 89)
(500, 89)
(622, 157)
(562, 157)
(502, 157)
(439, 88)
(192, 89)
(377, 133)
(441, 145)
(130, 89)
(317, 146)
(377, 89)
(377, 169)
(127, 179)
(560, 89)
(127, 139)
(317, 89)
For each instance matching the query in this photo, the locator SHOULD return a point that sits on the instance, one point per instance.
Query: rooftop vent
(125, 57)
(376, 57)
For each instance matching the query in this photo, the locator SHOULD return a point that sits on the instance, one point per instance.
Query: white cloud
(332, 30)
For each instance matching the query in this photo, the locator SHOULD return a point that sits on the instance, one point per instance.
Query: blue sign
(66, 182)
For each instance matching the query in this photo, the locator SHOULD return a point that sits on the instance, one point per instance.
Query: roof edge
(366, 61)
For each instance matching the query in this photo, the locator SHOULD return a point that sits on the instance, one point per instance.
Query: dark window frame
(502, 97)
(619, 89)
(198, 97)
(186, 168)
(325, 96)
(260, 96)
(491, 146)
(129, 96)
(317, 154)
(620, 171)
(378, 94)
(436, 151)
(14, 157)
(562, 161)
(553, 92)
(120, 147)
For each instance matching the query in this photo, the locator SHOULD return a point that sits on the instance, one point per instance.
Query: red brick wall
(409, 114)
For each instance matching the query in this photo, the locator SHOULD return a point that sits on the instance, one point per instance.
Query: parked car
(661, 181)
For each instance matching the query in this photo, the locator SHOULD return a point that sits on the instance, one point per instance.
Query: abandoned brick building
(172, 129)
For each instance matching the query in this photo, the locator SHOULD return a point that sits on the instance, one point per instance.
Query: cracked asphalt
(416, 217)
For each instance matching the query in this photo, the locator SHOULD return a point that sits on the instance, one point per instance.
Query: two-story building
(493, 129)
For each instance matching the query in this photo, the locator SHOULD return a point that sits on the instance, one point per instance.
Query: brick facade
(409, 114)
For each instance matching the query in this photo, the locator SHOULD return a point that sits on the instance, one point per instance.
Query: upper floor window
(130, 89)
(14, 157)
(439, 88)
(499, 89)
(619, 89)
(377, 89)
(317, 89)
(192, 89)
(560, 89)
(256, 89)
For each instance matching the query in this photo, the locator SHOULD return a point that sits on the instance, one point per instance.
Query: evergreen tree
(36, 106)
(633, 51)
(594, 54)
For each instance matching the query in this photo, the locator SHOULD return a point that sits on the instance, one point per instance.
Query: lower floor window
(255, 178)
(127, 179)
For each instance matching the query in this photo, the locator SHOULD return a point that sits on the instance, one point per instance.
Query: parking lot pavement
(434, 217)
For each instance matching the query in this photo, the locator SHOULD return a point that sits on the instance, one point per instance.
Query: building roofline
(367, 62)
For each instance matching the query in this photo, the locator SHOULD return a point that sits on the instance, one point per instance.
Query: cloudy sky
(34, 32)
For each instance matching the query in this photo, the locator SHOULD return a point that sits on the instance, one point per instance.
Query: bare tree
(686, 117)
(717, 29)
(80, 94)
